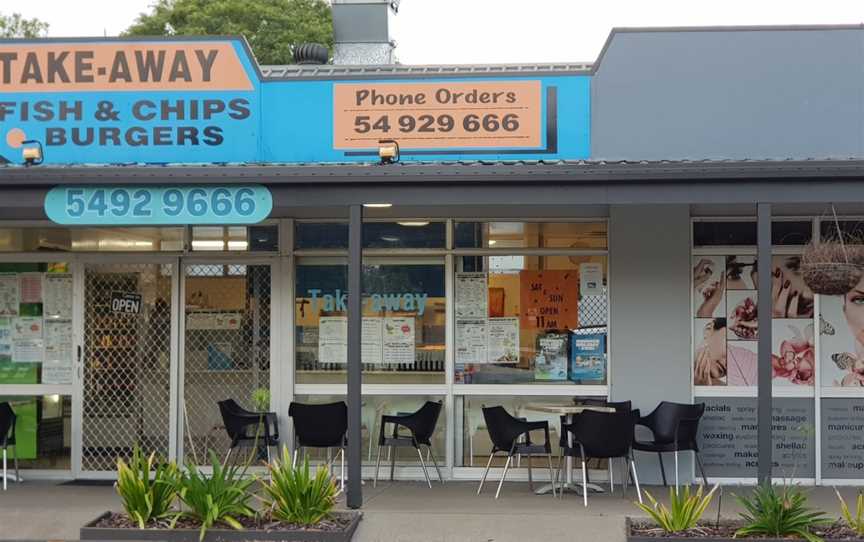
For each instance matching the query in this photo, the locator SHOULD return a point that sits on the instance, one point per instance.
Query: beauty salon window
(514, 235)
(526, 319)
(403, 321)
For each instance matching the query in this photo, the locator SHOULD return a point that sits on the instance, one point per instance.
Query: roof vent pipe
(311, 53)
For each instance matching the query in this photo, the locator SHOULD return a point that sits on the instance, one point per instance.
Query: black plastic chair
(7, 438)
(506, 433)
(601, 435)
(247, 428)
(421, 427)
(321, 426)
(675, 427)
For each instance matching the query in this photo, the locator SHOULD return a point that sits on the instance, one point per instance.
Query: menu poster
(57, 296)
(26, 327)
(588, 356)
(471, 295)
(471, 342)
(58, 342)
(333, 339)
(503, 340)
(56, 374)
(398, 339)
(30, 287)
(550, 362)
(27, 350)
(9, 298)
(549, 300)
(5, 339)
(591, 278)
(372, 349)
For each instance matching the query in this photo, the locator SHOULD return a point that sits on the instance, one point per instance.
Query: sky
(494, 31)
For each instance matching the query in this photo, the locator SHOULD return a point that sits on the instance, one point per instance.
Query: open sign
(125, 303)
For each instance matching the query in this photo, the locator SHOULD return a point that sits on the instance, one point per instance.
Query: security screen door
(126, 360)
(225, 349)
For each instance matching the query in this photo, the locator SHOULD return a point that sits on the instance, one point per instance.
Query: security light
(388, 151)
(32, 152)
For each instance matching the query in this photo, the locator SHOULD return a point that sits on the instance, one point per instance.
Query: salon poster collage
(726, 326)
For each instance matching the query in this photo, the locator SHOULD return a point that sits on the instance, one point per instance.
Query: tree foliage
(16, 26)
(272, 27)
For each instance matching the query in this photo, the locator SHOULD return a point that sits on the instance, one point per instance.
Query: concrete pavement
(397, 512)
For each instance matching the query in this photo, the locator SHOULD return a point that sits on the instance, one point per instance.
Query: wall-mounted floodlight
(32, 152)
(388, 151)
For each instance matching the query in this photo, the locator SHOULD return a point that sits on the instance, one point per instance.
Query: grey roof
(687, 171)
(330, 71)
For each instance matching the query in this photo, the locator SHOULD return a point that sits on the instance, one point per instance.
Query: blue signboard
(189, 100)
(166, 205)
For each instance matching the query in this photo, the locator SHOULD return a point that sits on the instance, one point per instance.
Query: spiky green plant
(779, 513)
(147, 498)
(856, 522)
(221, 497)
(684, 510)
(296, 496)
(261, 399)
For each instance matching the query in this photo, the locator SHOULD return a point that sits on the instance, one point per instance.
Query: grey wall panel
(649, 296)
(729, 94)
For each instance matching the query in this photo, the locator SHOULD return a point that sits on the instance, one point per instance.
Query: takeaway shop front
(191, 224)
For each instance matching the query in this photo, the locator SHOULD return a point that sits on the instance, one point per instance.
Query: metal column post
(764, 302)
(355, 375)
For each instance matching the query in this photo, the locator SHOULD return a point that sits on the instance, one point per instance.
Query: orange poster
(549, 299)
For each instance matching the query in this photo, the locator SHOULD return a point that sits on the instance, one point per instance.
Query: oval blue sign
(158, 205)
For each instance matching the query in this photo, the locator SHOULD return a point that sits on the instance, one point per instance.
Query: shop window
(851, 229)
(235, 238)
(372, 408)
(401, 234)
(512, 235)
(403, 322)
(473, 442)
(404, 234)
(320, 235)
(43, 431)
(91, 239)
(728, 437)
(531, 320)
(35, 323)
(743, 233)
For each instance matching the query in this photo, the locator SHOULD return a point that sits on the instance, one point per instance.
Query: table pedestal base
(569, 488)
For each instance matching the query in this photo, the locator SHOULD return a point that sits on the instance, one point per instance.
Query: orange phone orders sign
(464, 115)
(130, 65)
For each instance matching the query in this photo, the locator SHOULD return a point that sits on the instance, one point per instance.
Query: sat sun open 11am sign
(203, 100)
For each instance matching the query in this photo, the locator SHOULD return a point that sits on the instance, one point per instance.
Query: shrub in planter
(779, 513)
(147, 498)
(221, 497)
(856, 521)
(293, 495)
(684, 510)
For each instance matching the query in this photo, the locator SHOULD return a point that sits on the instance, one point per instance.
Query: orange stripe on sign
(121, 66)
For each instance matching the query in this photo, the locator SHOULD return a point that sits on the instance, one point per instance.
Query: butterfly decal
(825, 328)
(844, 360)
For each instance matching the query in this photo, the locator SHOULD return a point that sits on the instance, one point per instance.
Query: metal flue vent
(311, 53)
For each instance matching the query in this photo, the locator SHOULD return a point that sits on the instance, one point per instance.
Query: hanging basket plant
(833, 265)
